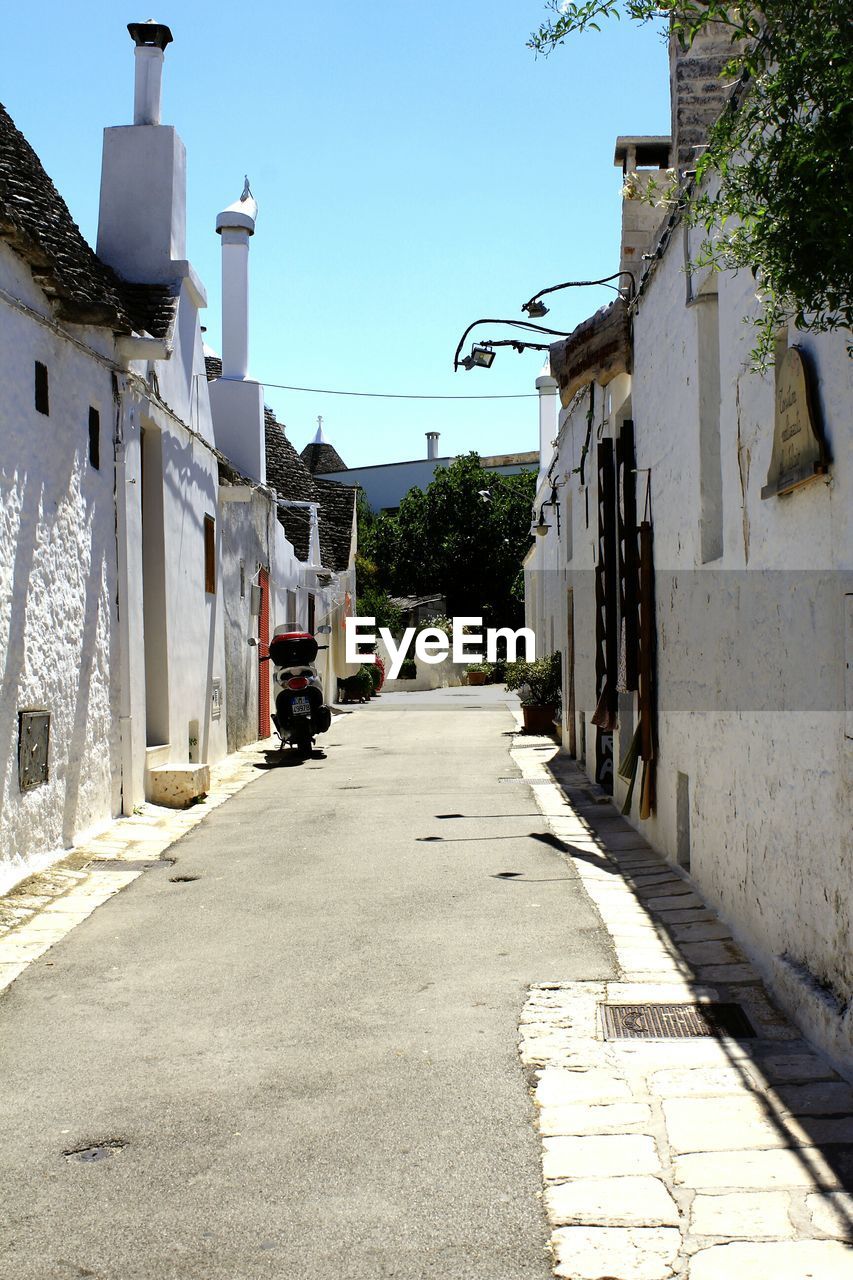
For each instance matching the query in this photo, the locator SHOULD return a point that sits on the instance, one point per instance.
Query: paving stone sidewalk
(677, 1159)
(41, 910)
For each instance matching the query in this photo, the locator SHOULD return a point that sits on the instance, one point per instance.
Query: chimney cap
(150, 33)
(241, 215)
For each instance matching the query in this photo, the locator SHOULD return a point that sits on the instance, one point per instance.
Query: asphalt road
(309, 1052)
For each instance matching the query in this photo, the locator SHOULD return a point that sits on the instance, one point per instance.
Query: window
(210, 555)
(242, 580)
(42, 396)
(94, 438)
(311, 613)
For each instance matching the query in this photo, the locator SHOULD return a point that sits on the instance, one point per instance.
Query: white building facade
(145, 561)
(700, 591)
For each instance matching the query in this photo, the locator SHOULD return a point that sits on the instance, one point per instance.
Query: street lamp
(474, 360)
(536, 308)
(542, 525)
(482, 356)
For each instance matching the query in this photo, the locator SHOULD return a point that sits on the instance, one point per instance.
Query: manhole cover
(122, 864)
(528, 782)
(182, 879)
(674, 1021)
(99, 1151)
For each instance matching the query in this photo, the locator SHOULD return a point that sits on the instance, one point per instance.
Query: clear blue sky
(415, 165)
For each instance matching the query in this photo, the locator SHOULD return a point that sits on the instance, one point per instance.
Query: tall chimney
(697, 93)
(235, 225)
(547, 387)
(432, 445)
(150, 39)
(236, 402)
(142, 225)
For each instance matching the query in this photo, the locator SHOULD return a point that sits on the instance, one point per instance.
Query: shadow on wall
(15, 652)
(89, 649)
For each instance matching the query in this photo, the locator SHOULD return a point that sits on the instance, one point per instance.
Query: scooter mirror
(325, 630)
(252, 642)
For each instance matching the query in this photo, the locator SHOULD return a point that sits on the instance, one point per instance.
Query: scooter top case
(293, 649)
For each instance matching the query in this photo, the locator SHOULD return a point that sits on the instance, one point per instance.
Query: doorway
(570, 672)
(154, 590)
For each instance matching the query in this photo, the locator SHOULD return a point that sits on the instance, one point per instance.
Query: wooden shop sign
(799, 453)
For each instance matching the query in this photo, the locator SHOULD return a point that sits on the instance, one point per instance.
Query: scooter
(300, 713)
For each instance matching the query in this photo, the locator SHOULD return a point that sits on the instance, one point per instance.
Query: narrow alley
(307, 1046)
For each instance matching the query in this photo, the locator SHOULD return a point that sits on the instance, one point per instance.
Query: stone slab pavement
(677, 1159)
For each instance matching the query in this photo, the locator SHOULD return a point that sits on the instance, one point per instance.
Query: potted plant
(539, 687)
(408, 670)
(476, 672)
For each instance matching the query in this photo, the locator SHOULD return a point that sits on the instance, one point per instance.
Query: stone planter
(539, 719)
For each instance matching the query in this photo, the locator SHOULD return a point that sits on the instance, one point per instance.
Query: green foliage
(408, 669)
(539, 683)
(781, 200)
(485, 667)
(373, 600)
(452, 540)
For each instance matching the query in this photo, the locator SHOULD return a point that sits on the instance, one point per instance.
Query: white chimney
(151, 39)
(142, 225)
(236, 402)
(432, 445)
(546, 385)
(235, 225)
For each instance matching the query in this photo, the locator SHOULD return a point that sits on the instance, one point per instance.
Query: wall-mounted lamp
(542, 525)
(481, 357)
(476, 359)
(536, 308)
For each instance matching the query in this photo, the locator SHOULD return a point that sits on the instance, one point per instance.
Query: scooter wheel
(303, 747)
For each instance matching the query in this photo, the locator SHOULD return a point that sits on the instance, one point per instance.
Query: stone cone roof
(35, 221)
(320, 459)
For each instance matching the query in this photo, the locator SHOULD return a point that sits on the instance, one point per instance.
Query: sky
(416, 167)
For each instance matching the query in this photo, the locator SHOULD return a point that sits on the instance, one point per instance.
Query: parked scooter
(300, 713)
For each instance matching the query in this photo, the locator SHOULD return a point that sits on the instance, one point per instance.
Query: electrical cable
(389, 395)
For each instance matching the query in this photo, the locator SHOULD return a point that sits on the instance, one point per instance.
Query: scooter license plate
(301, 707)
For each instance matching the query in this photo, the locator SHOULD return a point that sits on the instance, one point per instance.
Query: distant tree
(781, 203)
(463, 537)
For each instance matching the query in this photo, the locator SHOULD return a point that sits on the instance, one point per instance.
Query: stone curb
(677, 1159)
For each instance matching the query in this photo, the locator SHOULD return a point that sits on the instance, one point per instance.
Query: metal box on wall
(33, 747)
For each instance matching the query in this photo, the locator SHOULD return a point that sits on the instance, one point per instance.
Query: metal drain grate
(674, 1021)
(527, 782)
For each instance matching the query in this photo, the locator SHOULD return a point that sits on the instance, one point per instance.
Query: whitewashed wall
(764, 744)
(57, 582)
(751, 656)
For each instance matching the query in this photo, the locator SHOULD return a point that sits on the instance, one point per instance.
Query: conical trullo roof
(320, 457)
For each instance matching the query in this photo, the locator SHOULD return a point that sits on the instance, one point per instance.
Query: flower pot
(539, 719)
(476, 677)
